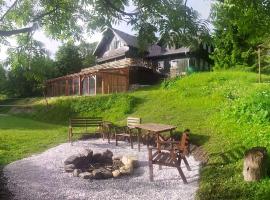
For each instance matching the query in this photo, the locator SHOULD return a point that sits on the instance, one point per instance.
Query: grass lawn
(20, 137)
(227, 112)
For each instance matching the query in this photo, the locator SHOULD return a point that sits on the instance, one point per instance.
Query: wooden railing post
(80, 85)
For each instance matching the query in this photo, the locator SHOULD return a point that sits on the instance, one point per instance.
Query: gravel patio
(42, 177)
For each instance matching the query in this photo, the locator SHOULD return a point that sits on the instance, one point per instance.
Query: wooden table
(154, 128)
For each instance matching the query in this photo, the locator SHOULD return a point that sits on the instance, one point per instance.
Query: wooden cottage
(120, 65)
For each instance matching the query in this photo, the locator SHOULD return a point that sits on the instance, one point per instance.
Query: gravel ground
(42, 177)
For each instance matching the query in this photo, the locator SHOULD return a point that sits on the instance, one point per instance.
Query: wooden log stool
(255, 164)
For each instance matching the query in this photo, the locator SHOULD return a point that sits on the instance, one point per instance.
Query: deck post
(88, 85)
(102, 83)
(73, 86)
(95, 84)
(67, 87)
(80, 85)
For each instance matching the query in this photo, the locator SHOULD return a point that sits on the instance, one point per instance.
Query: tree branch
(8, 10)
(36, 18)
(4, 33)
(185, 25)
(119, 10)
(17, 31)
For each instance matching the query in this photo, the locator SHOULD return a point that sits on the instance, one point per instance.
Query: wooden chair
(127, 132)
(107, 129)
(171, 156)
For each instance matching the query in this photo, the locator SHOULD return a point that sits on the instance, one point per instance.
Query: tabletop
(155, 127)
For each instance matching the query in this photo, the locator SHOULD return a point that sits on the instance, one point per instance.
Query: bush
(110, 107)
(252, 109)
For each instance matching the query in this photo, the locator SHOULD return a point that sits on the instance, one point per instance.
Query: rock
(102, 173)
(126, 169)
(255, 164)
(117, 164)
(105, 157)
(76, 172)
(88, 153)
(96, 157)
(107, 154)
(69, 168)
(75, 159)
(130, 160)
(117, 158)
(83, 163)
(116, 173)
(86, 175)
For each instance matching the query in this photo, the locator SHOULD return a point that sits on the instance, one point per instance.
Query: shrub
(110, 107)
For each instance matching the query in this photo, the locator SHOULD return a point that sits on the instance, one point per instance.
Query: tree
(2, 79)
(62, 19)
(68, 59)
(29, 67)
(240, 26)
(86, 51)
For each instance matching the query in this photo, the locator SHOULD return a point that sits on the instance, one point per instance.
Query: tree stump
(255, 166)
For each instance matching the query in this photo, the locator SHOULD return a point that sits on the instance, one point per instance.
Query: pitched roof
(156, 50)
(129, 40)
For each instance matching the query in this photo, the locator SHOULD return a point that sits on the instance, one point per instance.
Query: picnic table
(153, 128)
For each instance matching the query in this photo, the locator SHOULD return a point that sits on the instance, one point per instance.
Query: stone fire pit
(88, 165)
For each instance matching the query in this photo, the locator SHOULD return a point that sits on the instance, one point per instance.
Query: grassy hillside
(227, 113)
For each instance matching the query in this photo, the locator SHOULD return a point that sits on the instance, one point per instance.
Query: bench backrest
(132, 121)
(85, 122)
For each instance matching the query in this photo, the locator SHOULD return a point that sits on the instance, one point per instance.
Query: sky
(202, 6)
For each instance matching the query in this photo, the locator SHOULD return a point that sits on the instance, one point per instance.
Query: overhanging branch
(4, 33)
(119, 10)
(8, 10)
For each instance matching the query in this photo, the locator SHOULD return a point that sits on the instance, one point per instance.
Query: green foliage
(172, 19)
(166, 84)
(253, 109)
(112, 107)
(86, 51)
(27, 75)
(68, 59)
(3, 80)
(240, 26)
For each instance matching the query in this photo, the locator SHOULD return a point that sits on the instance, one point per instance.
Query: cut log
(255, 167)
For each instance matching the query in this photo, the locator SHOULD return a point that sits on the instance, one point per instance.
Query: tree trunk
(255, 167)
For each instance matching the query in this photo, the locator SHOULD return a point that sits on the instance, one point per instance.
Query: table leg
(171, 138)
(148, 132)
(139, 135)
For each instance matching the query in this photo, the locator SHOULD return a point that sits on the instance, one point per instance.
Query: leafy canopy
(240, 26)
(62, 19)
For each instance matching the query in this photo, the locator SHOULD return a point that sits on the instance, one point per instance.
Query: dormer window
(115, 44)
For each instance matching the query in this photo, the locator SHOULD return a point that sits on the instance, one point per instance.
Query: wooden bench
(171, 156)
(83, 122)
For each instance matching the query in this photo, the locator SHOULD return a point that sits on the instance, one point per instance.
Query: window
(179, 67)
(160, 66)
(85, 86)
(92, 85)
(115, 44)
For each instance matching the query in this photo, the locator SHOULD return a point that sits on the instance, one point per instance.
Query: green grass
(21, 137)
(227, 112)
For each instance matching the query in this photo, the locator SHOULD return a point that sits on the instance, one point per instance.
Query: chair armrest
(168, 142)
(121, 128)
